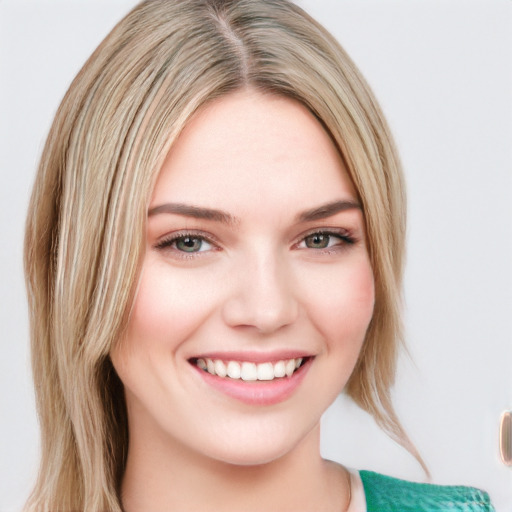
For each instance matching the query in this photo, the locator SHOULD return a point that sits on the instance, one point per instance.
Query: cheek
(343, 308)
(169, 306)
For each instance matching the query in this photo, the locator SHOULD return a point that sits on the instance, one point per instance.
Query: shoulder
(387, 494)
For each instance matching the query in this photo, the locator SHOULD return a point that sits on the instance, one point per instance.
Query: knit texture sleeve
(387, 494)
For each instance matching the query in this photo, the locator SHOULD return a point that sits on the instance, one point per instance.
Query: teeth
(250, 371)
(265, 371)
(279, 369)
(290, 367)
(234, 370)
(220, 368)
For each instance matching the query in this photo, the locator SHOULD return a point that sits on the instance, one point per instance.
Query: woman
(214, 251)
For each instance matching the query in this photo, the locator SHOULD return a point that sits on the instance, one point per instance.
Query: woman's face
(256, 263)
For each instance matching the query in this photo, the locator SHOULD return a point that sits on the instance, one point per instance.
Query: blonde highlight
(86, 222)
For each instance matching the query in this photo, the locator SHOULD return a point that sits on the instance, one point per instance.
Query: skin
(257, 281)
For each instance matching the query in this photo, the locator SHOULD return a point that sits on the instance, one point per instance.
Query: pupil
(318, 241)
(189, 244)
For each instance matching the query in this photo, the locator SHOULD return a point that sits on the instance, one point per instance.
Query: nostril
(265, 317)
(262, 296)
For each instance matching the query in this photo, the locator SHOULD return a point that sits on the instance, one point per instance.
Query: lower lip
(257, 392)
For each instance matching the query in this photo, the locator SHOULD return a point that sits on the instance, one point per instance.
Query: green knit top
(387, 494)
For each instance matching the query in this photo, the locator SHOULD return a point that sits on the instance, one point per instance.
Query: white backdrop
(443, 74)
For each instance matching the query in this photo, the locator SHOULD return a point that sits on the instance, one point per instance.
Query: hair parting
(85, 228)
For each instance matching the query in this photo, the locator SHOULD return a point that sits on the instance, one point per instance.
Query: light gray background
(442, 72)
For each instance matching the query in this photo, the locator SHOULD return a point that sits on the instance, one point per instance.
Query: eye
(191, 244)
(325, 240)
(185, 243)
(320, 241)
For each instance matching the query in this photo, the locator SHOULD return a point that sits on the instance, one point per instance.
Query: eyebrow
(327, 210)
(197, 212)
(193, 211)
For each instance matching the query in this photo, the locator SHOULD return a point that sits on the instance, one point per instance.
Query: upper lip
(254, 356)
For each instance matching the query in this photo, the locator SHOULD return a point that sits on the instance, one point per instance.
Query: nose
(261, 295)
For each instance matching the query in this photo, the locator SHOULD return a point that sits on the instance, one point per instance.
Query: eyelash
(344, 237)
(169, 243)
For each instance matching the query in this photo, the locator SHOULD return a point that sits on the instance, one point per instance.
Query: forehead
(247, 146)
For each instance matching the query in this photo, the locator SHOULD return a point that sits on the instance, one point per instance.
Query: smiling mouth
(249, 371)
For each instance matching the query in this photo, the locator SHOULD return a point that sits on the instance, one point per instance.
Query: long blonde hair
(86, 221)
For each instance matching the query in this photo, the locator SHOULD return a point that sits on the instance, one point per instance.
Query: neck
(162, 477)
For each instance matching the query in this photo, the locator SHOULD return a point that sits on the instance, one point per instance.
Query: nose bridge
(262, 295)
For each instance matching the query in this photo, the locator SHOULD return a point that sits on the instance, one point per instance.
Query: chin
(257, 447)
(252, 456)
